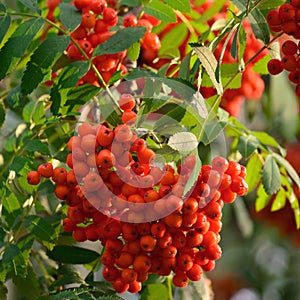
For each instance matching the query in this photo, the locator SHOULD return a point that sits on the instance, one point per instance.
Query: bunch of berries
(98, 20)
(139, 211)
(286, 19)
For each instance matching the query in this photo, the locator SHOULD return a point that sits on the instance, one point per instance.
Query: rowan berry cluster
(286, 19)
(140, 212)
(98, 20)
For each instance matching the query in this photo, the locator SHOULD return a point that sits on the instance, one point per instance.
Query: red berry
(289, 47)
(275, 66)
(286, 12)
(33, 178)
(45, 170)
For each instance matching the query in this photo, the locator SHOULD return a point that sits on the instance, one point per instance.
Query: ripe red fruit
(289, 47)
(274, 66)
(286, 12)
(273, 18)
(180, 279)
(33, 178)
(127, 102)
(45, 170)
(130, 20)
(289, 62)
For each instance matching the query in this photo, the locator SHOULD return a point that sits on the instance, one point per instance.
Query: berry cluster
(98, 20)
(286, 19)
(140, 212)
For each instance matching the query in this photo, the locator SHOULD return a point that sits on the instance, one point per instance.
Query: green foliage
(121, 40)
(160, 11)
(14, 49)
(72, 254)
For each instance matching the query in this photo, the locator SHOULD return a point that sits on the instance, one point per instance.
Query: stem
(169, 285)
(187, 23)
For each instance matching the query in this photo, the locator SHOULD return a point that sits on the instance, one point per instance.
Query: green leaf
(242, 43)
(211, 11)
(3, 7)
(37, 145)
(271, 175)
(210, 64)
(254, 168)
(28, 285)
(262, 199)
(14, 262)
(72, 255)
(247, 145)
(181, 5)
(173, 39)
(11, 209)
(279, 201)
(155, 291)
(67, 80)
(131, 3)
(184, 70)
(42, 229)
(212, 131)
(234, 46)
(194, 176)
(260, 67)
(160, 11)
(295, 206)
(120, 41)
(32, 5)
(16, 45)
(183, 141)
(258, 22)
(69, 16)
(67, 274)
(289, 168)
(3, 292)
(270, 4)
(42, 61)
(133, 51)
(2, 114)
(267, 139)
(4, 25)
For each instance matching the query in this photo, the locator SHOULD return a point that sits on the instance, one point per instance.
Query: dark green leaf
(194, 176)
(41, 62)
(72, 255)
(16, 45)
(32, 5)
(258, 22)
(155, 291)
(262, 199)
(279, 201)
(3, 291)
(131, 3)
(254, 168)
(37, 145)
(67, 274)
(2, 114)
(212, 131)
(160, 11)
(133, 51)
(242, 43)
(69, 16)
(42, 229)
(121, 40)
(28, 285)
(289, 168)
(15, 99)
(234, 46)
(67, 80)
(247, 145)
(271, 175)
(4, 25)
(184, 70)
(181, 5)
(2, 7)
(14, 262)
